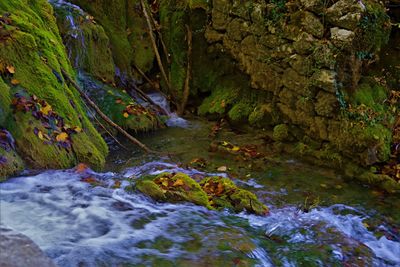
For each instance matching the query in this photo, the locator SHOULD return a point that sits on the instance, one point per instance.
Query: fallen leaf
(165, 183)
(126, 115)
(178, 182)
(14, 82)
(222, 169)
(62, 137)
(10, 69)
(81, 167)
(46, 109)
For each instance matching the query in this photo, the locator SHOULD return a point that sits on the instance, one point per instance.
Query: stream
(316, 218)
(79, 224)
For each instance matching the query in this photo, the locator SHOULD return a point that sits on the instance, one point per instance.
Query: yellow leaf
(126, 115)
(77, 129)
(14, 82)
(165, 183)
(178, 182)
(46, 109)
(62, 137)
(40, 135)
(10, 69)
(235, 148)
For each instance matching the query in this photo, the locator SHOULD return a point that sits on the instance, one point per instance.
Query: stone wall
(307, 56)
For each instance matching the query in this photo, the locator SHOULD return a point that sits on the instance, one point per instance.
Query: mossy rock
(10, 164)
(173, 188)
(212, 192)
(281, 133)
(36, 53)
(223, 193)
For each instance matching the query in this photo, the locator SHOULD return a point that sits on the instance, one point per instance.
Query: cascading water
(173, 119)
(77, 224)
(74, 38)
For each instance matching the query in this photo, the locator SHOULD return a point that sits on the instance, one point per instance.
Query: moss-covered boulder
(212, 192)
(223, 193)
(31, 58)
(173, 188)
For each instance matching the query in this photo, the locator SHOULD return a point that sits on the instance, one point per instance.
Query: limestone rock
(341, 35)
(325, 79)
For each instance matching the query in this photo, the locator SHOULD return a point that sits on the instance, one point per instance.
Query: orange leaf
(10, 69)
(14, 82)
(81, 167)
(126, 115)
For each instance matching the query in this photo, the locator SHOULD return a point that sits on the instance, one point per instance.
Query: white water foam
(77, 224)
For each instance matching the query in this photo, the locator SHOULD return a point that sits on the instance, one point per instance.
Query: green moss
(173, 188)
(371, 94)
(13, 164)
(120, 107)
(36, 52)
(126, 29)
(240, 111)
(375, 28)
(90, 51)
(225, 94)
(212, 192)
(224, 193)
(281, 132)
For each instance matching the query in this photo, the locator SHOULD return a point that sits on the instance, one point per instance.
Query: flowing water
(79, 224)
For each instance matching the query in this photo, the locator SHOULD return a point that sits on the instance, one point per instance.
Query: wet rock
(18, 250)
(211, 192)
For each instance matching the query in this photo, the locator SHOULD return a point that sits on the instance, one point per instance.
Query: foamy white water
(77, 224)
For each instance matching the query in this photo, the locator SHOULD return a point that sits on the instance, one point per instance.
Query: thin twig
(186, 89)
(104, 116)
(154, 45)
(160, 37)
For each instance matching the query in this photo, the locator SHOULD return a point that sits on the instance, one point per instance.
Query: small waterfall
(173, 119)
(74, 38)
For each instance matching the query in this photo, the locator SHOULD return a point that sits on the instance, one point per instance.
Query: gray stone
(342, 36)
(325, 79)
(17, 250)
